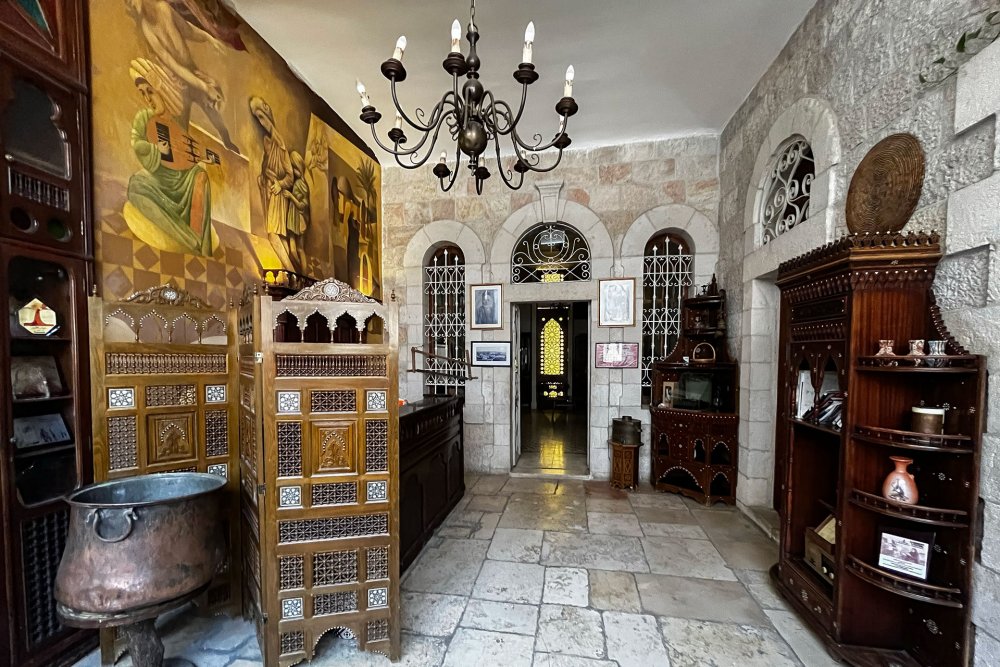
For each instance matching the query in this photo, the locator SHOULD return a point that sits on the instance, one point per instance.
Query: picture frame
(668, 389)
(616, 355)
(905, 552)
(40, 430)
(35, 377)
(486, 306)
(491, 353)
(616, 302)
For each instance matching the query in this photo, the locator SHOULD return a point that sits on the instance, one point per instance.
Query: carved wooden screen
(164, 372)
(328, 530)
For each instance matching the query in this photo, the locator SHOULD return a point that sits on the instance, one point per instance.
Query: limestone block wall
(617, 196)
(850, 76)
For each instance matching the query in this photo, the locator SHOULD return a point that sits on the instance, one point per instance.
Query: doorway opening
(554, 388)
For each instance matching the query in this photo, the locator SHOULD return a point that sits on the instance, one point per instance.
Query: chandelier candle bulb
(365, 102)
(444, 157)
(529, 40)
(399, 121)
(397, 54)
(568, 88)
(456, 37)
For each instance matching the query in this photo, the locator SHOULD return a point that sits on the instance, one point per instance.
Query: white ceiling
(644, 68)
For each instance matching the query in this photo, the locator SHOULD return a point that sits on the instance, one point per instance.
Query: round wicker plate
(886, 187)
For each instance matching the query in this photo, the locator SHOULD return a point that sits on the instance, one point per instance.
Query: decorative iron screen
(666, 275)
(444, 318)
(550, 252)
(787, 188)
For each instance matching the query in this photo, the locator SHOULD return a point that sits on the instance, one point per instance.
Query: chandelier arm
(435, 112)
(414, 162)
(542, 170)
(538, 147)
(532, 159)
(507, 178)
(454, 173)
(502, 104)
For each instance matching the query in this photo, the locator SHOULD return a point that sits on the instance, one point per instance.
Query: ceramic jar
(899, 486)
(927, 420)
(885, 347)
(917, 347)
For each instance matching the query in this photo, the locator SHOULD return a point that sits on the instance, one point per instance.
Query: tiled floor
(553, 442)
(550, 573)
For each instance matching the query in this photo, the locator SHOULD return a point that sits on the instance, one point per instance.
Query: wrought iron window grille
(550, 252)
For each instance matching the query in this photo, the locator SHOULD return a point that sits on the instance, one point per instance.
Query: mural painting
(213, 162)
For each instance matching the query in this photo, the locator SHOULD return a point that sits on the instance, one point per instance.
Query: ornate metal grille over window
(444, 318)
(666, 275)
(553, 348)
(551, 252)
(787, 188)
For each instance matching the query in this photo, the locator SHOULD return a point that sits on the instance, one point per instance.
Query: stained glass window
(553, 348)
(444, 318)
(666, 276)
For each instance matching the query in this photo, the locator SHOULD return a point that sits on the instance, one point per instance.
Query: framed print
(667, 391)
(617, 302)
(40, 430)
(489, 353)
(485, 305)
(35, 377)
(617, 355)
(905, 552)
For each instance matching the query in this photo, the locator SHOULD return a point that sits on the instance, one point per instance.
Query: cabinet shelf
(945, 596)
(952, 363)
(934, 516)
(42, 399)
(887, 437)
(815, 426)
(41, 339)
(42, 450)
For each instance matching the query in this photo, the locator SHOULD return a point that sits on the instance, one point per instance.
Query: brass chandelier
(472, 115)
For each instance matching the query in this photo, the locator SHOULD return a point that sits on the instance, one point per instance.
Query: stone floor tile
(521, 619)
(701, 599)
(470, 479)
(556, 660)
(732, 526)
(594, 552)
(480, 648)
(613, 591)
(657, 499)
(430, 613)
(806, 645)
(685, 558)
(488, 485)
(608, 505)
(454, 532)
(516, 544)
(228, 634)
(566, 585)
(545, 512)
(570, 487)
(602, 489)
(601, 523)
(762, 589)
(570, 630)
(510, 582)
(634, 640)
(415, 650)
(487, 525)
(464, 519)
(451, 568)
(697, 643)
(530, 485)
(684, 530)
(664, 515)
(759, 554)
(487, 503)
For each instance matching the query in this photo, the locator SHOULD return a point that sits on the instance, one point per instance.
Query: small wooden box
(820, 552)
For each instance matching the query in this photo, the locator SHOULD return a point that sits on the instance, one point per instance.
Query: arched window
(550, 252)
(786, 189)
(666, 276)
(444, 317)
(553, 348)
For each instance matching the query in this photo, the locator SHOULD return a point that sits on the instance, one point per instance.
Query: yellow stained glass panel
(553, 341)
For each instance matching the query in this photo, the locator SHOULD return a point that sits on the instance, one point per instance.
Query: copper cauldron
(138, 542)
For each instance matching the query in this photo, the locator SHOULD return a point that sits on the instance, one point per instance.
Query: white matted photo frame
(616, 304)
(486, 306)
(491, 353)
(906, 552)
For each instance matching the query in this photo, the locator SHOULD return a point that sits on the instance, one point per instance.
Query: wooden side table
(624, 465)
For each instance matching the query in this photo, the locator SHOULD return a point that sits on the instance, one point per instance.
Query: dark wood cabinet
(431, 469)
(45, 255)
(694, 416)
(873, 604)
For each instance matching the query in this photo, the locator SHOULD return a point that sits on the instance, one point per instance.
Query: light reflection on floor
(554, 442)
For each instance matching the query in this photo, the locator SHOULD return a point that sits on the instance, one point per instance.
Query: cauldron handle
(95, 518)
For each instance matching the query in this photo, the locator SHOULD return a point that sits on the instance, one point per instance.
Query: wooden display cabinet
(837, 303)
(694, 415)
(45, 254)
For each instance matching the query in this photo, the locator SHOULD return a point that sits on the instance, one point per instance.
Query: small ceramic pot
(917, 347)
(927, 420)
(899, 486)
(936, 348)
(885, 348)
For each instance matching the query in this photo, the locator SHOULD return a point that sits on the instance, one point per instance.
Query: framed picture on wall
(617, 355)
(490, 353)
(617, 302)
(485, 305)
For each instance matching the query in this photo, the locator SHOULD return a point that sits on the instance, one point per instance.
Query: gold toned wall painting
(213, 162)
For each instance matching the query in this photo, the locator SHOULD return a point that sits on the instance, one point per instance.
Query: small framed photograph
(905, 552)
(617, 302)
(40, 430)
(486, 307)
(490, 353)
(667, 391)
(617, 355)
(35, 377)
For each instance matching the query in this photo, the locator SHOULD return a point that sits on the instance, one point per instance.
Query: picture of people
(486, 303)
(39, 430)
(905, 555)
(617, 302)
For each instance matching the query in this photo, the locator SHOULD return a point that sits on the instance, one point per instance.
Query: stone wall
(852, 71)
(617, 196)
